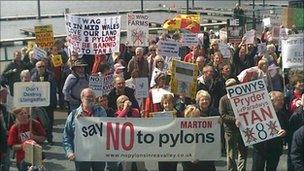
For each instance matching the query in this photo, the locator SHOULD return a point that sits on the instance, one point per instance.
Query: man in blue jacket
(86, 109)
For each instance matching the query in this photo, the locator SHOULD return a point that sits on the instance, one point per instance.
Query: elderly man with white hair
(139, 62)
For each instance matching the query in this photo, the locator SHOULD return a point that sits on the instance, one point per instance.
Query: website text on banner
(252, 106)
(93, 35)
(158, 139)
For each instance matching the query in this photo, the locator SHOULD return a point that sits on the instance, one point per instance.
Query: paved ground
(56, 160)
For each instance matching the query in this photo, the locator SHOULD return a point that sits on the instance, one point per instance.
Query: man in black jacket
(121, 89)
(297, 149)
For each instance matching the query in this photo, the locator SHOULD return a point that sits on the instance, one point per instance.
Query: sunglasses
(41, 66)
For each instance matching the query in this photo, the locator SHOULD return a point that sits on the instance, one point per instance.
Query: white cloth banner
(138, 29)
(169, 48)
(31, 94)
(293, 52)
(253, 108)
(138, 139)
(93, 35)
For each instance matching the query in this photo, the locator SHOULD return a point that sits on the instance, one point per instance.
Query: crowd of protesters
(69, 90)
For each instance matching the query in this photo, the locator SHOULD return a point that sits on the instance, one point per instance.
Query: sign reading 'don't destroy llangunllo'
(30, 94)
(252, 106)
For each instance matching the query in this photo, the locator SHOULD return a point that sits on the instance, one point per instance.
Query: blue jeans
(86, 166)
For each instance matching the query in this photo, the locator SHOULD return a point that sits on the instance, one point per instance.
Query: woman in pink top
(124, 108)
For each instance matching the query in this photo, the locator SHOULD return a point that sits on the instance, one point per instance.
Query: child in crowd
(103, 101)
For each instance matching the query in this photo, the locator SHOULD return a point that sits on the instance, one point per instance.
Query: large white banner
(93, 35)
(138, 29)
(293, 52)
(138, 139)
(253, 108)
(31, 94)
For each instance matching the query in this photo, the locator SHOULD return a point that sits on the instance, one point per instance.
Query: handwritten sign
(184, 78)
(93, 35)
(235, 34)
(168, 48)
(138, 29)
(31, 94)
(252, 106)
(262, 48)
(39, 53)
(44, 36)
(157, 94)
(125, 139)
(249, 35)
(189, 39)
(225, 50)
(293, 52)
(101, 85)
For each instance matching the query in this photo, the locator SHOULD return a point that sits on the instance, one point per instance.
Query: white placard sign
(141, 87)
(262, 48)
(93, 35)
(168, 48)
(31, 94)
(138, 29)
(95, 83)
(266, 22)
(189, 39)
(225, 50)
(249, 36)
(157, 94)
(163, 139)
(39, 53)
(293, 52)
(253, 108)
(107, 84)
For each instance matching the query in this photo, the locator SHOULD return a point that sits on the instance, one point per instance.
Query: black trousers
(259, 160)
(167, 166)
(200, 166)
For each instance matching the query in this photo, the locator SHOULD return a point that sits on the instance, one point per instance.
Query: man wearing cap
(41, 74)
(75, 83)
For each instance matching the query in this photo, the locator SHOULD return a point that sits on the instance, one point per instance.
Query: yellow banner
(44, 36)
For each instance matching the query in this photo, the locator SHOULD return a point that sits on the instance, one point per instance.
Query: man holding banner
(86, 109)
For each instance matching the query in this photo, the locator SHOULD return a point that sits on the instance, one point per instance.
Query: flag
(190, 22)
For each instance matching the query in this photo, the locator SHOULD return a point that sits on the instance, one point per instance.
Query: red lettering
(255, 116)
(268, 113)
(112, 136)
(123, 136)
(244, 116)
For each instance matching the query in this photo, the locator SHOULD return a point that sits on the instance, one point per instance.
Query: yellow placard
(184, 78)
(44, 36)
(57, 60)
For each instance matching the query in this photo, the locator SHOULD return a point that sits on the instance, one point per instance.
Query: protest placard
(293, 52)
(44, 36)
(168, 48)
(249, 35)
(266, 22)
(33, 153)
(164, 139)
(252, 106)
(225, 50)
(223, 35)
(31, 94)
(200, 37)
(233, 22)
(56, 60)
(276, 32)
(141, 87)
(189, 39)
(184, 78)
(235, 34)
(39, 53)
(93, 35)
(138, 29)
(157, 94)
(101, 85)
(95, 83)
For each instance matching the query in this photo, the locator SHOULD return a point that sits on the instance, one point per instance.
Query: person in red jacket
(124, 108)
(22, 131)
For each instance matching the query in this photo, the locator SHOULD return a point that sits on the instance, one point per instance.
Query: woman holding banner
(203, 101)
